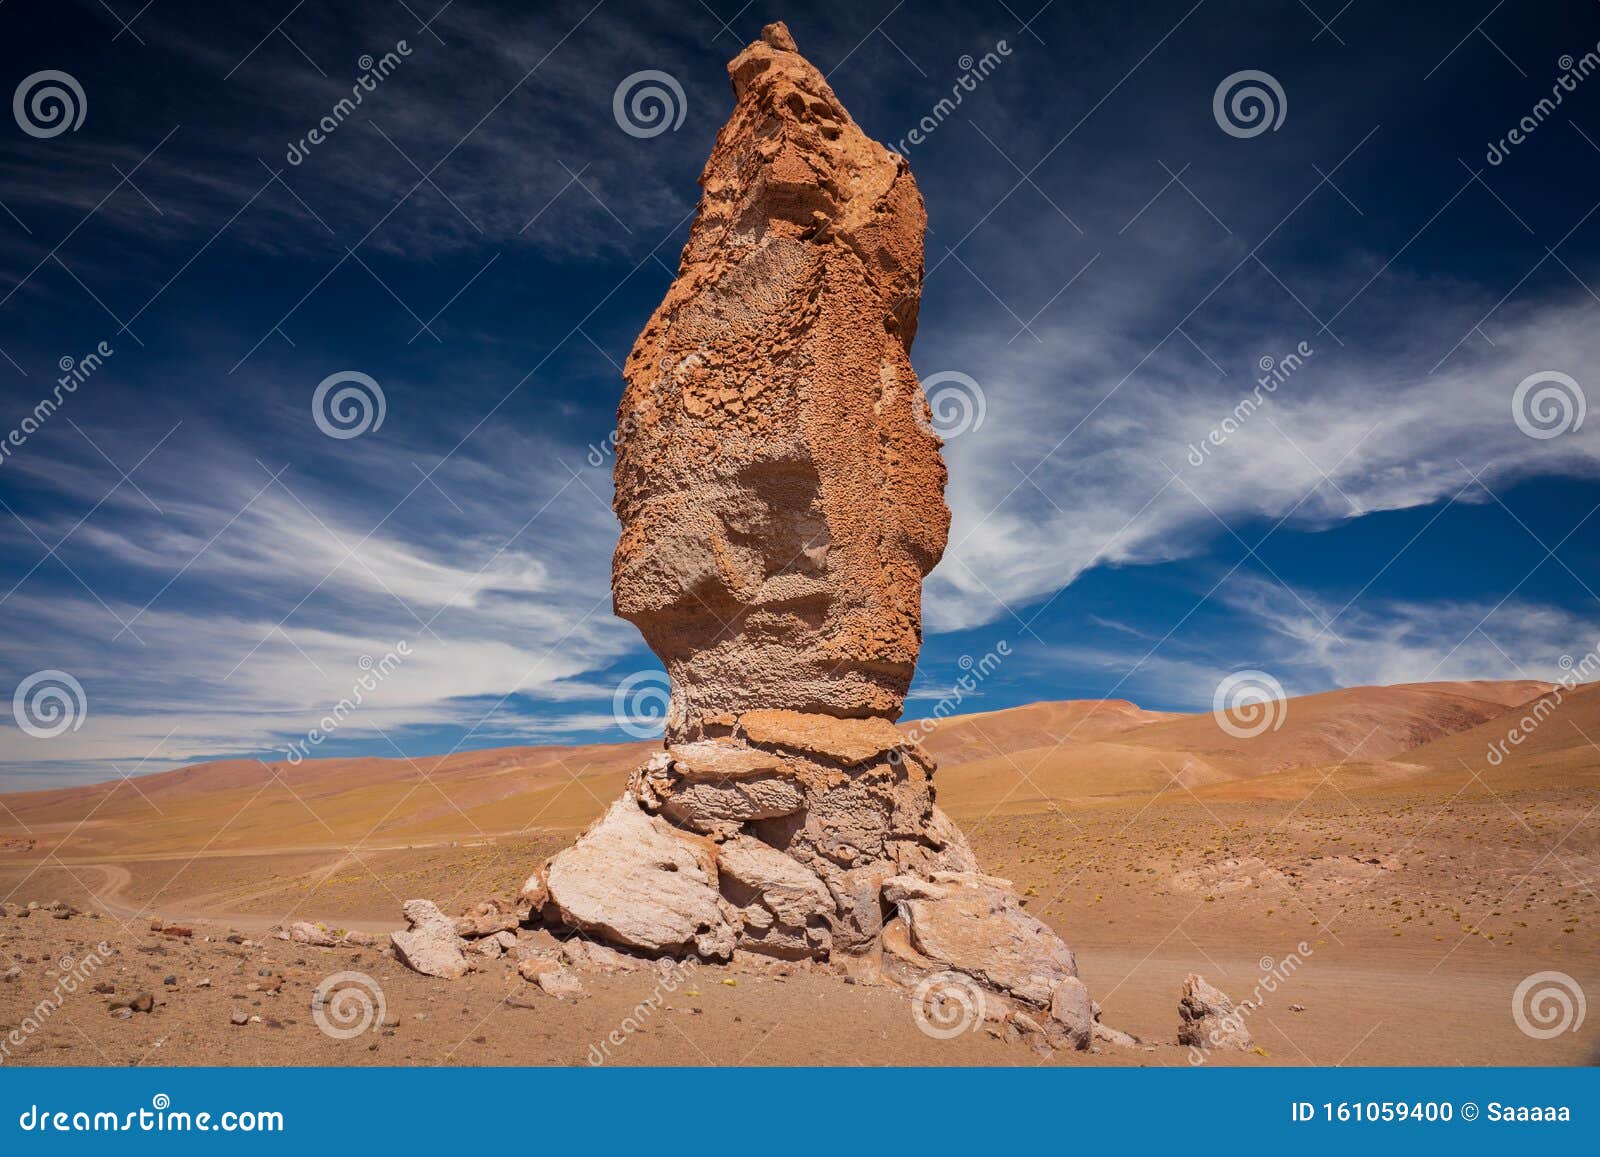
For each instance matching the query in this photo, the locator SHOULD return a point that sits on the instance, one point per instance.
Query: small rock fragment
(1208, 1020)
(430, 945)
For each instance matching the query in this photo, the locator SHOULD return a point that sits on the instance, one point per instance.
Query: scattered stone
(494, 946)
(239, 1018)
(710, 807)
(357, 939)
(430, 944)
(1112, 1036)
(555, 978)
(1208, 1019)
(533, 893)
(178, 932)
(12, 973)
(305, 932)
(786, 908)
(581, 953)
(486, 918)
(722, 761)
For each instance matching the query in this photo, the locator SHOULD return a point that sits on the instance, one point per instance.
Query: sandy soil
(1379, 912)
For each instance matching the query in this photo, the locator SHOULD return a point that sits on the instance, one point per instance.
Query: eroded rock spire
(781, 498)
(780, 490)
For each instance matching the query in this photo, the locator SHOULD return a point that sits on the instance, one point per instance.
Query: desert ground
(1364, 874)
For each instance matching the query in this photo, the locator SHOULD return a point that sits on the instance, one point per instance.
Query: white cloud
(1038, 497)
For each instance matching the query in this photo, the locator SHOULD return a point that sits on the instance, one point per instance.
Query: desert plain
(1375, 875)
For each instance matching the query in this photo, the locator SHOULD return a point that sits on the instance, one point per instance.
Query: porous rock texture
(779, 486)
(781, 498)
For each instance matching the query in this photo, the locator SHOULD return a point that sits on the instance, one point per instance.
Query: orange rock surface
(780, 490)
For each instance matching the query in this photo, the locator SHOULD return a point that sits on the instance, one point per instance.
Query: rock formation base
(809, 838)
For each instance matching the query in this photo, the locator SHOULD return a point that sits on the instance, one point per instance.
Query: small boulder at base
(637, 882)
(552, 976)
(1071, 1022)
(430, 945)
(975, 924)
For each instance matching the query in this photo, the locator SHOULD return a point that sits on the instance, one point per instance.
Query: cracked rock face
(636, 881)
(780, 491)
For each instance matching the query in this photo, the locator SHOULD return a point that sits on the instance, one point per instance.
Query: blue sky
(484, 241)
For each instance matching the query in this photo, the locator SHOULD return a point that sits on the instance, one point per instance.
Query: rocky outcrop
(781, 498)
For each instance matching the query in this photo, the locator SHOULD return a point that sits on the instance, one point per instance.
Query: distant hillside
(1019, 759)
